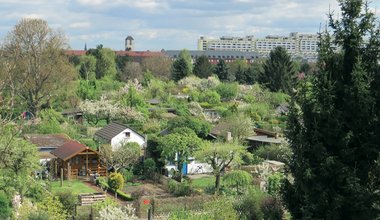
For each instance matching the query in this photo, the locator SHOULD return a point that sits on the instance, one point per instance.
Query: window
(127, 134)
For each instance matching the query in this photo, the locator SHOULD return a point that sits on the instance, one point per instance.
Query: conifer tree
(222, 70)
(203, 68)
(333, 124)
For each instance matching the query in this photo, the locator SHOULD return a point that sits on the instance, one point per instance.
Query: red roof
(69, 150)
(120, 53)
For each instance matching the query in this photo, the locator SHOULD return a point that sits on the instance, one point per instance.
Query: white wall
(119, 139)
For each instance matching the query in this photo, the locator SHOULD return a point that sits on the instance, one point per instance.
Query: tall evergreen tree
(180, 69)
(203, 68)
(333, 125)
(221, 70)
(185, 54)
(278, 71)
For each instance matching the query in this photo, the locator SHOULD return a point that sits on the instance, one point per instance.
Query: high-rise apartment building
(298, 45)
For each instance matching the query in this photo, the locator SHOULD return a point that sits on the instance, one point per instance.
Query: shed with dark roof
(116, 134)
(46, 143)
(77, 160)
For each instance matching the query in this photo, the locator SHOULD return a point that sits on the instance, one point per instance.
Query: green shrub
(68, 200)
(237, 178)
(5, 209)
(271, 208)
(249, 206)
(115, 181)
(227, 91)
(180, 189)
(149, 168)
(251, 159)
(127, 175)
(276, 152)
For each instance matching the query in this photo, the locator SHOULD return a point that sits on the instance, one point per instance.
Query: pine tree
(180, 69)
(203, 68)
(222, 70)
(278, 71)
(333, 125)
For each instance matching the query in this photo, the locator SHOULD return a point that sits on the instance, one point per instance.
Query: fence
(90, 198)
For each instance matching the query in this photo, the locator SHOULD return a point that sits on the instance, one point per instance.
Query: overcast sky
(168, 24)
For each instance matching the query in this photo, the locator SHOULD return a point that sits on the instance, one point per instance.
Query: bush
(116, 181)
(271, 208)
(68, 200)
(227, 91)
(276, 152)
(249, 207)
(180, 189)
(237, 178)
(127, 175)
(210, 97)
(149, 168)
(5, 209)
(251, 159)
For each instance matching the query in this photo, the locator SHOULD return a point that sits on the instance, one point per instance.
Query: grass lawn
(74, 186)
(203, 183)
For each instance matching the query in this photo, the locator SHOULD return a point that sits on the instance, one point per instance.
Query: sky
(168, 24)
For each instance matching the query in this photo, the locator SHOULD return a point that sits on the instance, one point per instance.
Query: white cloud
(80, 25)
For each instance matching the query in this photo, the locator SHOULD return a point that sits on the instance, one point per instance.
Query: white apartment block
(298, 45)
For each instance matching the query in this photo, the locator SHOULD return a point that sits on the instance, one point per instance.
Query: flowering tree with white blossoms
(96, 110)
(116, 213)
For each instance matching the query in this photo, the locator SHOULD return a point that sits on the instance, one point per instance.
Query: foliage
(39, 69)
(237, 178)
(105, 61)
(272, 209)
(210, 97)
(115, 181)
(115, 213)
(222, 70)
(158, 66)
(249, 206)
(227, 91)
(278, 152)
(50, 122)
(132, 70)
(180, 69)
(180, 189)
(278, 71)
(200, 127)
(239, 125)
(88, 90)
(5, 209)
(333, 124)
(179, 145)
(251, 159)
(87, 67)
(149, 168)
(68, 200)
(123, 156)
(185, 54)
(219, 156)
(274, 184)
(94, 111)
(221, 209)
(104, 203)
(202, 67)
(127, 175)
(52, 207)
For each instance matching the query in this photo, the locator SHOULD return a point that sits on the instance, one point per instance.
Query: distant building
(215, 55)
(298, 45)
(129, 43)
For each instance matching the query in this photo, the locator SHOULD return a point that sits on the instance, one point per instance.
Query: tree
(105, 61)
(200, 127)
(178, 146)
(238, 69)
(5, 209)
(158, 65)
(239, 125)
(125, 155)
(333, 125)
(40, 69)
(132, 70)
(87, 67)
(203, 68)
(185, 54)
(219, 156)
(278, 72)
(94, 111)
(227, 91)
(237, 178)
(116, 182)
(222, 70)
(18, 158)
(180, 69)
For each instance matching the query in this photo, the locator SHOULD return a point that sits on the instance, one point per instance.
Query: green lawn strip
(74, 186)
(203, 183)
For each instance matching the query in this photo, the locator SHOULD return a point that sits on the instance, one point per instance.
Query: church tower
(129, 43)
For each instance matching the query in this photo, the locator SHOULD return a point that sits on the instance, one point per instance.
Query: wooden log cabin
(77, 160)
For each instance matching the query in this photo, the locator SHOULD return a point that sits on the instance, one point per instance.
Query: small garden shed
(77, 160)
